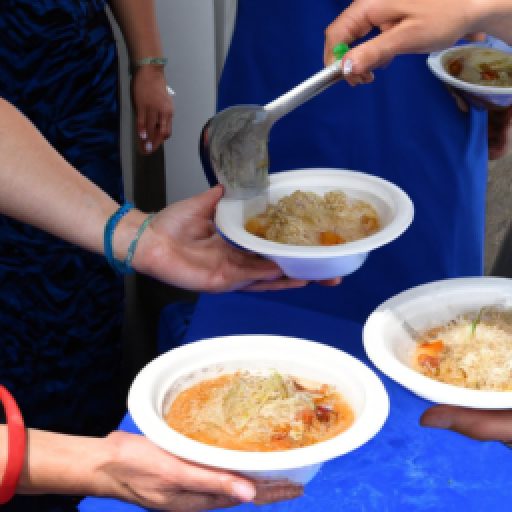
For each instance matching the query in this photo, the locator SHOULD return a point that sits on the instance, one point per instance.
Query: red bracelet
(15, 447)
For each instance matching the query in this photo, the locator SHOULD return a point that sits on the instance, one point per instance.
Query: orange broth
(328, 416)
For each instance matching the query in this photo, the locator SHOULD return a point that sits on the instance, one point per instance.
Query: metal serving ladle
(234, 143)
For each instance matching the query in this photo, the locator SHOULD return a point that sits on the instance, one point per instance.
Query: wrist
(102, 482)
(62, 464)
(151, 250)
(476, 11)
(148, 64)
(149, 73)
(109, 475)
(125, 232)
(491, 16)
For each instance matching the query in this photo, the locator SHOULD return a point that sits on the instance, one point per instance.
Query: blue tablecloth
(404, 468)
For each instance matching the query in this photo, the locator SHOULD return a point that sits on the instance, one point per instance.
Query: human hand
(499, 132)
(139, 472)
(484, 425)
(153, 107)
(182, 248)
(406, 27)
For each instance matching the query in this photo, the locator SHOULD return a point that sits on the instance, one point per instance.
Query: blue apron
(405, 127)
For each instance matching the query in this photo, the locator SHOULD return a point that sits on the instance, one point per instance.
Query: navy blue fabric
(60, 307)
(405, 127)
(173, 325)
(405, 468)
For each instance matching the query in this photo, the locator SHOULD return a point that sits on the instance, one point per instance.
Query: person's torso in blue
(405, 127)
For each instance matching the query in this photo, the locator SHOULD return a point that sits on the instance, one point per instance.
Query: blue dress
(61, 307)
(405, 127)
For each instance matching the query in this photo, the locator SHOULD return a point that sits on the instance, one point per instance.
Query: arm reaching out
(131, 468)
(39, 187)
(411, 27)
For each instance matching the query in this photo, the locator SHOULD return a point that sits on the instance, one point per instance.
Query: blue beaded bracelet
(135, 241)
(108, 234)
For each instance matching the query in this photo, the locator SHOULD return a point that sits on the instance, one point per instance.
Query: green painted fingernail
(340, 49)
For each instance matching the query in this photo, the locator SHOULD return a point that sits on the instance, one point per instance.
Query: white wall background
(195, 35)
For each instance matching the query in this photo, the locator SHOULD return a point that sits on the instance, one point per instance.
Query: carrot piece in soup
(330, 238)
(455, 66)
(487, 73)
(256, 227)
(431, 347)
(428, 361)
(306, 416)
(369, 223)
(323, 414)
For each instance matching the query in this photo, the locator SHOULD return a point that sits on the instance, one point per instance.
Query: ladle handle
(303, 92)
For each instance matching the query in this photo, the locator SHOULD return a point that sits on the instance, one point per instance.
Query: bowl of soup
(448, 341)
(476, 69)
(317, 223)
(268, 407)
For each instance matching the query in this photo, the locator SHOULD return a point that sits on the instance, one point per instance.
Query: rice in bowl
(307, 218)
(474, 351)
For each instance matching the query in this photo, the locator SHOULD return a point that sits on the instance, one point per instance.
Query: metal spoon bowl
(233, 145)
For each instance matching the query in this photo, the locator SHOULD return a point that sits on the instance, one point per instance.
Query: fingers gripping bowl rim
(156, 384)
(394, 207)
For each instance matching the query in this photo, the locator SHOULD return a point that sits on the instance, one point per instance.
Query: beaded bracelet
(108, 234)
(155, 61)
(122, 267)
(135, 241)
(16, 445)
(147, 61)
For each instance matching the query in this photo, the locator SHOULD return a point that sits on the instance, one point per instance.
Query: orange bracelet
(15, 447)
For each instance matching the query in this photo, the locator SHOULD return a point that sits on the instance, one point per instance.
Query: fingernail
(347, 66)
(143, 135)
(148, 146)
(243, 491)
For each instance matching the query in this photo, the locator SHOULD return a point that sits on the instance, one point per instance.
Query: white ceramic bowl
(499, 96)
(393, 206)
(155, 387)
(390, 347)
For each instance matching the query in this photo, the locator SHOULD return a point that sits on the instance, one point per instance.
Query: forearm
(60, 464)
(494, 17)
(137, 21)
(39, 187)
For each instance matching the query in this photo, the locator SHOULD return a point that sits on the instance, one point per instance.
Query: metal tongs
(234, 143)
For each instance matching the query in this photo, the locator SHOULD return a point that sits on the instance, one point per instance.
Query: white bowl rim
(370, 422)
(400, 222)
(409, 378)
(435, 63)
